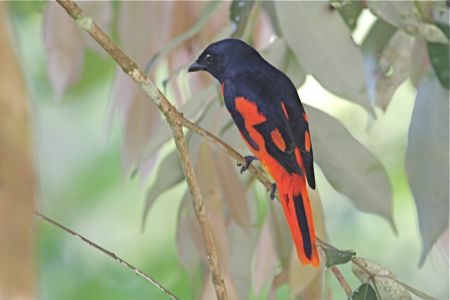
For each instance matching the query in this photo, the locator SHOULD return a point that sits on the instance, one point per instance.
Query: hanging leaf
(264, 259)
(239, 12)
(364, 292)
(188, 237)
(405, 15)
(439, 57)
(349, 166)
(232, 189)
(377, 38)
(269, 8)
(427, 160)
(394, 64)
(169, 174)
(209, 9)
(64, 47)
(349, 10)
(281, 234)
(322, 43)
(243, 244)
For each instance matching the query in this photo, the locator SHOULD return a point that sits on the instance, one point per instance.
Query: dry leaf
(264, 259)
(64, 46)
(232, 189)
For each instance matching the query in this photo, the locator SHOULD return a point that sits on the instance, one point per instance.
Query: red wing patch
(278, 139)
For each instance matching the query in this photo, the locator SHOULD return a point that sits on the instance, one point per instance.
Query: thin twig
(341, 279)
(110, 254)
(175, 120)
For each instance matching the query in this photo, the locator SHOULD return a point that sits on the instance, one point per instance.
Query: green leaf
(239, 12)
(335, 256)
(349, 166)
(169, 174)
(439, 57)
(405, 15)
(364, 292)
(322, 42)
(349, 10)
(427, 160)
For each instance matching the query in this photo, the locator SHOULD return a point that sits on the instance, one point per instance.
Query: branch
(174, 119)
(110, 254)
(341, 279)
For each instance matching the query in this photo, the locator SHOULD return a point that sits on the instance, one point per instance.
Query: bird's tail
(297, 209)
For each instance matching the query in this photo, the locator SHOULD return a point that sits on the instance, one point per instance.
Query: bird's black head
(225, 58)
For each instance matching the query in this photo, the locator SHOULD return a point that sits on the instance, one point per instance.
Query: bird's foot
(248, 162)
(273, 190)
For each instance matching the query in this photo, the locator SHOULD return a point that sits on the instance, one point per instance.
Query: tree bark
(17, 179)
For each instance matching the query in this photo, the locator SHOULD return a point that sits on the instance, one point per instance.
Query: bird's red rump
(278, 139)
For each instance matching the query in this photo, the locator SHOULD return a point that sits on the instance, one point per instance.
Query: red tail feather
(297, 209)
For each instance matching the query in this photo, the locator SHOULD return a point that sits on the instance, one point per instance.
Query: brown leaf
(139, 117)
(265, 259)
(394, 66)
(280, 233)
(188, 237)
(210, 189)
(64, 47)
(232, 189)
(243, 243)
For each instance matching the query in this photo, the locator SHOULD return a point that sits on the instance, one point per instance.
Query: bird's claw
(273, 189)
(248, 162)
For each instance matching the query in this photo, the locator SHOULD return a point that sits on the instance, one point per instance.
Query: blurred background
(374, 78)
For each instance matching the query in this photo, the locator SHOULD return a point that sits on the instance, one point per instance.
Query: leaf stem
(341, 279)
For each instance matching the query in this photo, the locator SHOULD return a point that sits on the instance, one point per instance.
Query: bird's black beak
(196, 67)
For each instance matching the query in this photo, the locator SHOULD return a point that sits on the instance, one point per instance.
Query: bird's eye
(208, 58)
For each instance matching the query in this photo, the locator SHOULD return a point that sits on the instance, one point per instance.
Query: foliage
(310, 39)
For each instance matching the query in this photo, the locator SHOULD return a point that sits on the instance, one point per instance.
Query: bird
(265, 106)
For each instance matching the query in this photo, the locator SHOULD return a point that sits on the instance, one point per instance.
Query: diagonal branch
(109, 253)
(174, 119)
